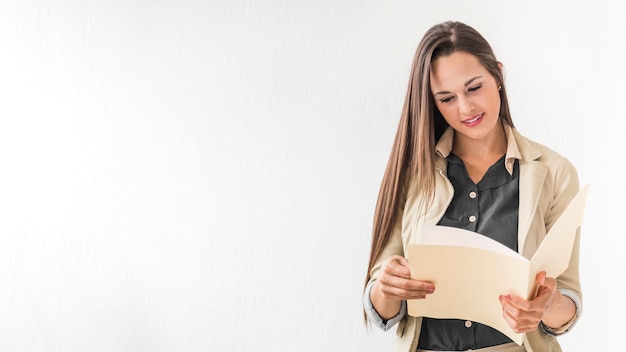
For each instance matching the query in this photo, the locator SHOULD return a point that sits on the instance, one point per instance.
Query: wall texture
(201, 175)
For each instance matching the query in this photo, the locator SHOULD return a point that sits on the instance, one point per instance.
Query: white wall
(201, 175)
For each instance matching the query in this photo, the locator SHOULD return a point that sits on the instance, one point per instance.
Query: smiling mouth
(473, 119)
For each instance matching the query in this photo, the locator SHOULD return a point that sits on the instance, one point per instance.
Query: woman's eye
(446, 99)
(473, 89)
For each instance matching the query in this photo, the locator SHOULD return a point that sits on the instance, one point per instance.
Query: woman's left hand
(525, 315)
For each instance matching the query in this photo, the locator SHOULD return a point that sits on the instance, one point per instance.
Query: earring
(499, 87)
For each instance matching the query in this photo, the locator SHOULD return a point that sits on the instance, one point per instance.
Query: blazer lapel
(532, 176)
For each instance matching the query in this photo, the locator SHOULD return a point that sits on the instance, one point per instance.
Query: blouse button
(472, 218)
(468, 324)
(472, 194)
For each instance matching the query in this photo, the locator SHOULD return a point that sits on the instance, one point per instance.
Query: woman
(457, 160)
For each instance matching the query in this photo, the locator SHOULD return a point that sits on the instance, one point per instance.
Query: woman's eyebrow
(472, 80)
(466, 84)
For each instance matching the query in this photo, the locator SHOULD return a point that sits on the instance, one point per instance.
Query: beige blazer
(548, 182)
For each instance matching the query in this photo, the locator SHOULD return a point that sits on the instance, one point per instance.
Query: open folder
(470, 270)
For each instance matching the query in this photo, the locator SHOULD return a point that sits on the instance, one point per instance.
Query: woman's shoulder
(557, 164)
(534, 150)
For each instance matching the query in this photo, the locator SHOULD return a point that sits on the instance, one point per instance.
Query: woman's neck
(492, 146)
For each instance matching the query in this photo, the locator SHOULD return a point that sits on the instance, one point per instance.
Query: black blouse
(490, 208)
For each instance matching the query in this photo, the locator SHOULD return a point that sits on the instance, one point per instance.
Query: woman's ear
(502, 69)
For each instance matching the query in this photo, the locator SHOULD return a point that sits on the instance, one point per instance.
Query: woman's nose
(466, 106)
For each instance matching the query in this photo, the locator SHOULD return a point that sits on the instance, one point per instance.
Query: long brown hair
(421, 125)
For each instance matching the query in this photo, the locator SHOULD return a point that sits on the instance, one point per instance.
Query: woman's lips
(474, 120)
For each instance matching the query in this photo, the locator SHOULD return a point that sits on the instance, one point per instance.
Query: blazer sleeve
(566, 186)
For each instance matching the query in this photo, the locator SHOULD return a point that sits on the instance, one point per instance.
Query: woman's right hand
(395, 281)
(395, 285)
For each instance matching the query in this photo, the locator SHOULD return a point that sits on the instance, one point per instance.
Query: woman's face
(466, 94)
